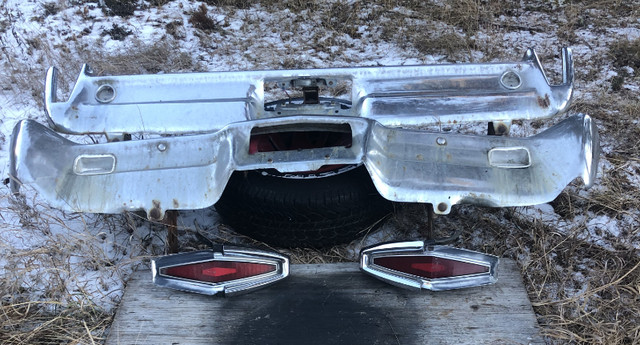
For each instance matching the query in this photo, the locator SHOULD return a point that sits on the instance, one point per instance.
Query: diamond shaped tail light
(416, 265)
(221, 270)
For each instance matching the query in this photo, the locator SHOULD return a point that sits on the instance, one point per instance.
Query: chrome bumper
(392, 96)
(190, 172)
(203, 123)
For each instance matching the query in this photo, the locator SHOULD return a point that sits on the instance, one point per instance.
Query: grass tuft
(50, 8)
(201, 20)
(626, 53)
(239, 4)
(122, 8)
(117, 32)
(455, 46)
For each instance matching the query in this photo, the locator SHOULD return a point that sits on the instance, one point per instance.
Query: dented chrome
(203, 123)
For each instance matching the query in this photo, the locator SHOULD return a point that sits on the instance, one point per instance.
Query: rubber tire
(316, 212)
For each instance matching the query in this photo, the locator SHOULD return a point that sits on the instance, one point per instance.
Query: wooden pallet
(328, 304)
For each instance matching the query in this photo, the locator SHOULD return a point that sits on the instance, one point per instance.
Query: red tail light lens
(416, 265)
(430, 266)
(218, 271)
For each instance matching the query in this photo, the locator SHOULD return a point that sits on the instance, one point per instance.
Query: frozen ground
(581, 242)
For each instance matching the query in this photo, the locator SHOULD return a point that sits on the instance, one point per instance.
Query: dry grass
(201, 20)
(44, 297)
(161, 56)
(601, 307)
(48, 322)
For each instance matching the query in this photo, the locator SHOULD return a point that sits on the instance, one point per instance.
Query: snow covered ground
(85, 259)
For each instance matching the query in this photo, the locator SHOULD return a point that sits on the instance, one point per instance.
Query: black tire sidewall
(313, 212)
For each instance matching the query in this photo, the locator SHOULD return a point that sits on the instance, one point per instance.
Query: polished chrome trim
(419, 248)
(221, 253)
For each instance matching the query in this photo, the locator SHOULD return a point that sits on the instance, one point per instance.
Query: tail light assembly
(222, 269)
(417, 265)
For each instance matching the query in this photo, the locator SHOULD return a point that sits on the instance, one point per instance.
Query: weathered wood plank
(328, 304)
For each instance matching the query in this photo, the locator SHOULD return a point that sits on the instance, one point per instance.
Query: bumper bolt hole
(511, 80)
(105, 93)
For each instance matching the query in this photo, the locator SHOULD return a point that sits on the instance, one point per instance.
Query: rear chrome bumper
(191, 172)
(391, 96)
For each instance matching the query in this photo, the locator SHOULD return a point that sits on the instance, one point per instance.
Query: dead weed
(201, 20)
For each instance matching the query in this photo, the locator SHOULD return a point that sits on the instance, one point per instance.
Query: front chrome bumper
(211, 117)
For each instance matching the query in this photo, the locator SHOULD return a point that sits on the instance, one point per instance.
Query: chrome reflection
(487, 276)
(221, 253)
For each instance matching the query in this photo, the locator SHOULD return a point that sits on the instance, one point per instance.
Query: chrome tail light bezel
(420, 248)
(221, 253)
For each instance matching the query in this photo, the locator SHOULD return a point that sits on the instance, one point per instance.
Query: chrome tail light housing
(417, 265)
(223, 269)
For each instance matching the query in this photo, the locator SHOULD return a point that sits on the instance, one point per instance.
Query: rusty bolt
(155, 214)
(502, 129)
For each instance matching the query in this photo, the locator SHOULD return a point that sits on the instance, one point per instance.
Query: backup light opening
(299, 137)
